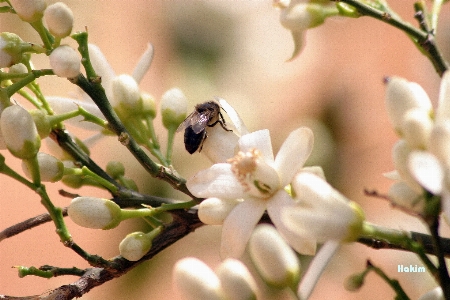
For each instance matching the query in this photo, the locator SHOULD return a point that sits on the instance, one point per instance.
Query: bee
(204, 115)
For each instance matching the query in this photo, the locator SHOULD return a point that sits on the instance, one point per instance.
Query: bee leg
(201, 144)
(222, 123)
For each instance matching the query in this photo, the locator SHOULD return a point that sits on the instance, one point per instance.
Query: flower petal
(143, 64)
(316, 268)
(258, 140)
(234, 116)
(220, 144)
(239, 225)
(443, 110)
(217, 181)
(102, 68)
(63, 105)
(427, 170)
(293, 154)
(302, 244)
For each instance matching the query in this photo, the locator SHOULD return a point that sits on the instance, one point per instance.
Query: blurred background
(236, 50)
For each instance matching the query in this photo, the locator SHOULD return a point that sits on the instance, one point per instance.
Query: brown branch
(27, 224)
(184, 223)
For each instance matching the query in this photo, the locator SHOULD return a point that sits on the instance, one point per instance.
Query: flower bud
(17, 69)
(19, 132)
(173, 108)
(135, 245)
(149, 106)
(416, 127)
(43, 125)
(115, 169)
(401, 96)
(59, 19)
(434, 294)
(301, 16)
(439, 143)
(237, 282)
(400, 154)
(96, 213)
(10, 49)
(354, 282)
(65, 62)
(401, 194)
(275, 260)
(50, 168)
(213, 211)
(195, 280)
(29, 10)
(126, 95)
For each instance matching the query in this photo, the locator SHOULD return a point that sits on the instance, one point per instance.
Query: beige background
(335, 86)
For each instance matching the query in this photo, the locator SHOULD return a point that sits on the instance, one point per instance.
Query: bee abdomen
(193, 141)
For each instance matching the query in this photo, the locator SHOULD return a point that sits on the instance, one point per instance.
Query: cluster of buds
(421, 156)
(275, 262)
(63, 59)
(98, 213)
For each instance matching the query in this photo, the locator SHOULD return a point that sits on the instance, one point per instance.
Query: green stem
(43, 33)
(395, 285)
(444, 279)
(435, 10)
(13, 88)
(170, 139)
(424, 40)
(56, 215)
(400, 238)
(94, 89)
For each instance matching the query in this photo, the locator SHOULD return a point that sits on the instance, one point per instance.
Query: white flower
(434, 294)
(256, 177)
(276, 262)
(195, 280)
(299, 16)
(65, 62)
(423, 156)
(29, 10)
(59, 19)
(236, 280)
(321, 212)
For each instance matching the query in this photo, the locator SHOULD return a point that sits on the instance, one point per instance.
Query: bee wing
(187, 122)
(200, 122)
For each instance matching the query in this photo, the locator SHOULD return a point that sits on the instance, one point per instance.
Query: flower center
(256, 176)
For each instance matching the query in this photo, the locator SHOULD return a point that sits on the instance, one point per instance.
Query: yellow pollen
(244, 164)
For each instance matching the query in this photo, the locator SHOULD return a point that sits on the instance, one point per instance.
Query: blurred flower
(10, 49)
(434, 294)
(298, 16)
(254, 176)
(422, 156)
(276, 262)
(321, 212)
(195, 280)
(59, 19)
(65, 62)
(29, 10)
